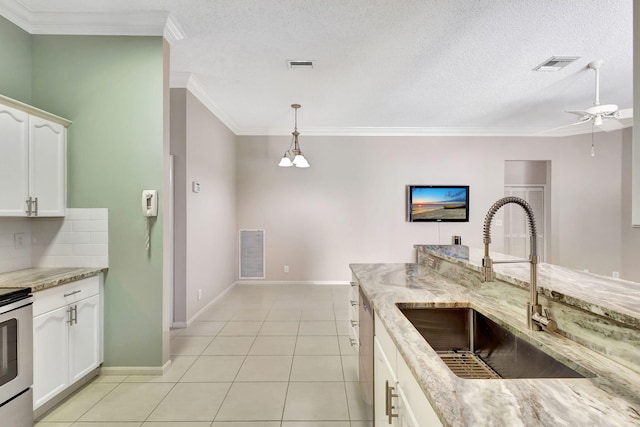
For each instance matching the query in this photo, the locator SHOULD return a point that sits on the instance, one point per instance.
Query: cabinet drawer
(353, 292)
(354, 338)
(386, 343)
(59, 296)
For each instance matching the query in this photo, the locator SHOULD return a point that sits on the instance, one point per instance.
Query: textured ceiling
(384, 66)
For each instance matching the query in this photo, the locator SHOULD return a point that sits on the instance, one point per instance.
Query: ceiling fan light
(285, 162)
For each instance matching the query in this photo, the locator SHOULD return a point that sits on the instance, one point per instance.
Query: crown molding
(17, 13)
(173, 31)
(153, 23)
(180, 79)
(392, 131)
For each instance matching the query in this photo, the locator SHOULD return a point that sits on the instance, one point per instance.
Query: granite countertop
(605, 296)
(611, 397)
(39, 279)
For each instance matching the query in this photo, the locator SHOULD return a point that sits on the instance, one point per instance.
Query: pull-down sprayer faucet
(535, 318)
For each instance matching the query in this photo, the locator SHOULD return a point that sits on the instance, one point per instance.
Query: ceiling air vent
(556, 63)
(299, 64)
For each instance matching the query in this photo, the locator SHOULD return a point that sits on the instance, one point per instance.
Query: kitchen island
(608, 395)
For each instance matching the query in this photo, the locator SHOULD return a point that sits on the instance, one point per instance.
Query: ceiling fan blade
(627, 113)
(582, 113)
(609, 125)
(571, 128)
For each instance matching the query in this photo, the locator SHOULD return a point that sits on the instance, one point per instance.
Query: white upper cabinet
(47, 167)
(14, 161)
(33, 161)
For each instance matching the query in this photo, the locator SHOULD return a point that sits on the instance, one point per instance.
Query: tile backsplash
(80, 239)
(14, 256)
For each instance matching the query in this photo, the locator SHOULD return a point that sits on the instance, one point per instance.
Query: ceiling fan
(606, 117)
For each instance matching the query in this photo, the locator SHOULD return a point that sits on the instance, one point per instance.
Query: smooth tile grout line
(286, 394)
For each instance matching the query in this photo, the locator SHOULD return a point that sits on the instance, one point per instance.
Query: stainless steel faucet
(535, 319)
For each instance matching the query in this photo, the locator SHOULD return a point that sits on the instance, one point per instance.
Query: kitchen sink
(475, 347)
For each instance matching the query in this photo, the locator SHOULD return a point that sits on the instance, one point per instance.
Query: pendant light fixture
(293, 156)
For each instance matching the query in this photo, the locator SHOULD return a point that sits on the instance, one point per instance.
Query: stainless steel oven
(16, 357)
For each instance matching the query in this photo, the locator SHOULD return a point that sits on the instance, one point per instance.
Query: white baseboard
(182, 325)
(135, 370)
(206, 307)
(292, 282)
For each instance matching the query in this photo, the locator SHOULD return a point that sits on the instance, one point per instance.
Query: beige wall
(349, 207)
(518, 172)
(204, 150)
(635, 218)
(630, 235)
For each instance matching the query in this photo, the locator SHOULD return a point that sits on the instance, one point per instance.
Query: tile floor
(264, 355)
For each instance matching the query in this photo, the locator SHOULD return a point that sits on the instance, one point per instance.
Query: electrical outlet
(18, 240)
(498, 223)
(286, 268)
(199, 294)
(616, 274)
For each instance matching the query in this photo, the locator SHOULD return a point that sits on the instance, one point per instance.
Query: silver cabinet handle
(353, 342)
(389, 402)
(73, 315)
(354, 284)
(353, 303)
(73, 293)
(36, 202)
(354, 323)
(28, 210)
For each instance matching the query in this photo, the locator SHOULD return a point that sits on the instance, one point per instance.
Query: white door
(14, 161)
(47, 166)
(84, 338)
(50, 354)
(516, 226)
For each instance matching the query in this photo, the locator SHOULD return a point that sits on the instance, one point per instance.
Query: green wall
(15, 62)
(112, 90)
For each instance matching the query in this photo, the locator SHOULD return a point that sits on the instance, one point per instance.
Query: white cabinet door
(385, 386)
(14, 161)
(50, 354)
(47, 166)
(415, 408)
(84, 340)
(406, 417)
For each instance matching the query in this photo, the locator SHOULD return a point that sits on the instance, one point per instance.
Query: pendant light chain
(593, 149)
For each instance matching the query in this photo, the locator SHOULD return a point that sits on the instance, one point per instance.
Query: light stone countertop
(39, 279)
(611, 398)
(616, 299)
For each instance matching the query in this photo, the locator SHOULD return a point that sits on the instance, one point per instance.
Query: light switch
(195, 186)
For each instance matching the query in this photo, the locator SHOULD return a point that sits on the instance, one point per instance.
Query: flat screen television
(438, 203)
